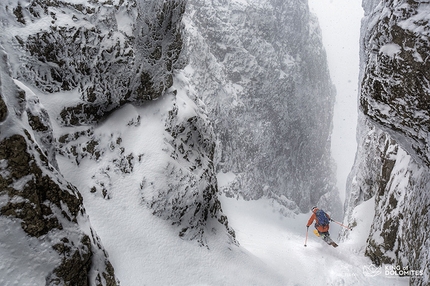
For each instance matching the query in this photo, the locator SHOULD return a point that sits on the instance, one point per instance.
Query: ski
(334, 244)
(327, 239)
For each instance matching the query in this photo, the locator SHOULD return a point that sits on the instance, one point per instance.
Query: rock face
(98, 93)
(395, 91)
(38, 207)
(383, 171)
(85, 62)
(113, 52)
(261, 69)
(192, 175)
(392, 158)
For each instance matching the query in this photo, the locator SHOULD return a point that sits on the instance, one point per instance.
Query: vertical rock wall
(392, 158)
(261, 69)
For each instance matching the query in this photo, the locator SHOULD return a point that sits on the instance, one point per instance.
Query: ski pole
(347, 227)
(306, 240)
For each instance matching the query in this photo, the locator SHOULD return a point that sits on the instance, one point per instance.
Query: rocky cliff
(261, 69)
(46, 236)
(91, 96)
(392, 158)
(113, 52)
(121, 107)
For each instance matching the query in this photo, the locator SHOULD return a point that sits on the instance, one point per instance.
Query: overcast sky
(340, 24)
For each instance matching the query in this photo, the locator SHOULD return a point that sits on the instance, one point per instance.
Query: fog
(340, 24)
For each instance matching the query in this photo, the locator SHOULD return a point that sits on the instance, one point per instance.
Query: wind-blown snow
(340, 26)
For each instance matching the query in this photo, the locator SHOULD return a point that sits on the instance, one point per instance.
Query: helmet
(314, 208)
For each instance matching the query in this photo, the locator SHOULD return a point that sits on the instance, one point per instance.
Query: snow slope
(279, 243)
(146, 250)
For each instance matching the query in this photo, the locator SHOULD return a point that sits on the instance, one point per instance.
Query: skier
(322, 221)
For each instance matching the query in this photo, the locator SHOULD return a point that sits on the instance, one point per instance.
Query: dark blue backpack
(322, 218)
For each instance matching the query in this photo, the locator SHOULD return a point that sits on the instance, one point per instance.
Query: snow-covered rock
(261, 69)
(113, 52)
(395, 88)
(386, 175)
(392, 166)
(46, 235)
(92, 96)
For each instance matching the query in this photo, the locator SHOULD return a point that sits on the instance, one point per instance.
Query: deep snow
(279, 243)
(146, 250)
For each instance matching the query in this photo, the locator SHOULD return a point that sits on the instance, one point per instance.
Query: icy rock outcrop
(398, 234)
(168, 162)
(191, 175)
(261, 69)
(395, 91)
(114, 52)
(91, 59)
(46, 234)
(392, 158)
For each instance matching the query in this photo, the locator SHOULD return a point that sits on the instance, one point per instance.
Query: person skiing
(322, 221)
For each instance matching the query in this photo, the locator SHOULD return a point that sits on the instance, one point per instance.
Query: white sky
(340, 24)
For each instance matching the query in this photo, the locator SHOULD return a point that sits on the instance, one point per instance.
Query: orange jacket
(318, 227)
